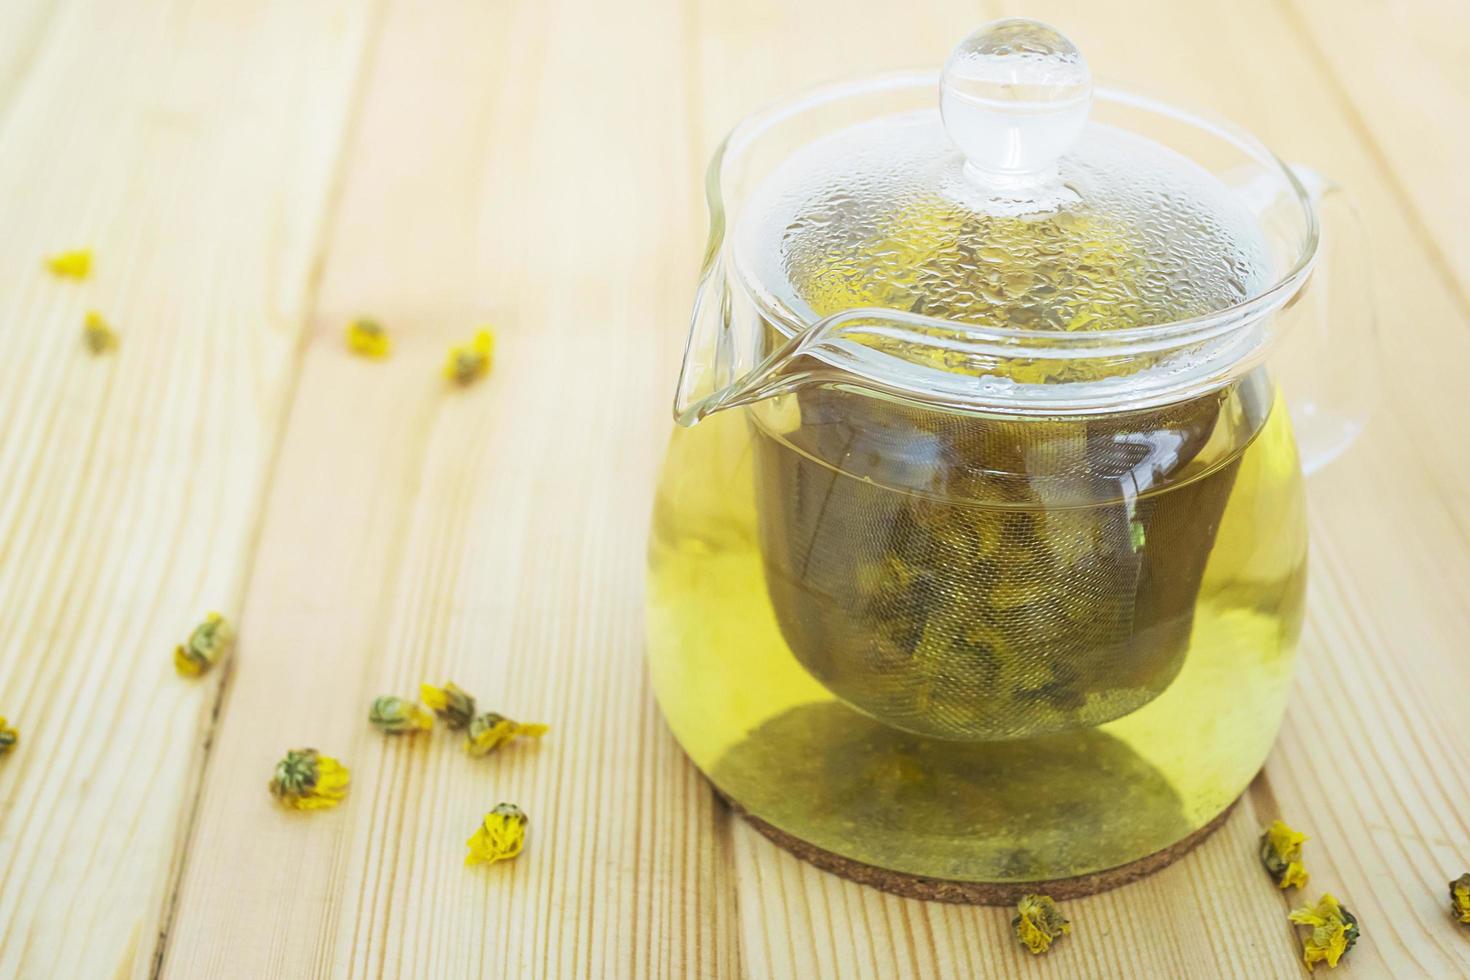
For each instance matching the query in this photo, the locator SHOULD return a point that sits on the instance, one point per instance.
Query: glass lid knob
(1014, 96)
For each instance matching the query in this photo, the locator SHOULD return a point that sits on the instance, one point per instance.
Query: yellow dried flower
(470, 362)
(1459, 891)
(9, 737)
(306, 780)
(397, 716)
(1039, 922)
(1281, 853)
(454, 706)
(210, 642)
(98, 333)
(500, 836)
(369, 338)
(76, 264)
(1334, 930)
(490, 731)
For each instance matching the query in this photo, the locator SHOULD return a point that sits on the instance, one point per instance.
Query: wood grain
(1403, 77)
(252, 174)
(190, 146)
(492, 535)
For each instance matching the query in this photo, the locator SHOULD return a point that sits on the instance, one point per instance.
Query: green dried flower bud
(207, 646)
(1459, 895)
(1334, 931)
(454, 706)
(307, 780)
(295, 774)
(490, 731)
(500, 836)
(1281, 854)
(397, 716)
(1039, 922)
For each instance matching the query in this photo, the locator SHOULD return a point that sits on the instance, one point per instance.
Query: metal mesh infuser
(997, 604)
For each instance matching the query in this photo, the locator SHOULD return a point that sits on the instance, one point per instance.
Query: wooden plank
(524, 164)
(191, 145)
(24, 26)
(1403, 74)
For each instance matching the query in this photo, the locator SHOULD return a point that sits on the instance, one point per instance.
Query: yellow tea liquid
(1003, 667)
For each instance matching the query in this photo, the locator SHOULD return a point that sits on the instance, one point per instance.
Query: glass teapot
(979, 555)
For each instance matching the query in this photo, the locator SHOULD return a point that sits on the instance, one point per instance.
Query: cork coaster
(978, 892)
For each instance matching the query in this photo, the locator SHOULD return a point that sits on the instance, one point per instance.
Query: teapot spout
(708, 371)
(735, 358)
(728, 360)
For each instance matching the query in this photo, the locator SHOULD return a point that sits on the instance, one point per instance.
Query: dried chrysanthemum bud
(1459, 891)
(1039, 922)
(98, 333)
(306, 780)
(9, 737)
(1334, 930)
(453, 706)
(490, 731)
(1281, 853)
(397, 716)
(471, 361)
(500, 836)
(369, 338)
(208, 645)
(76, 264)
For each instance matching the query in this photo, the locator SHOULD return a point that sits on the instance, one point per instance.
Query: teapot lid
(1005, 208)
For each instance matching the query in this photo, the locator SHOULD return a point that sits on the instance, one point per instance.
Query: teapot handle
(1325, 360)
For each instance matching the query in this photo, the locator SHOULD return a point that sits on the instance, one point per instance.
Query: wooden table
(253, 173)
